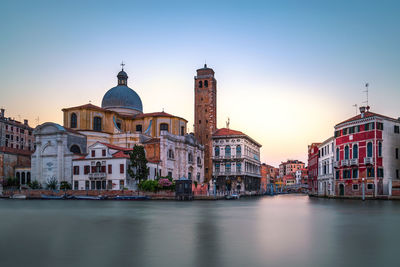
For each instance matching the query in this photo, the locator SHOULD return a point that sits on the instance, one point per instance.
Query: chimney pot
(26, 122)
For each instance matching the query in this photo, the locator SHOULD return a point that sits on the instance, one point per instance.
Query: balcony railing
(97, 175)
(336, 164)
(232, 173)
(353, 162)
(238, 156)
(368, 160)
(345, 162)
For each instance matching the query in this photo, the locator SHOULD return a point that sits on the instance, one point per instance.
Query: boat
(18, 196)
(86, 197)
(232, 197)
(42, 196)
(131, 198)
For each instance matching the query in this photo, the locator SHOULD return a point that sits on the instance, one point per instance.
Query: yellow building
(120, 119)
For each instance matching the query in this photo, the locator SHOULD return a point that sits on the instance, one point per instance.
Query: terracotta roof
(367, 114)
(226, 131)
(154, 161)
(120, 154)
(87, 106)
(116, 147)
(16, 151)
(152, 140)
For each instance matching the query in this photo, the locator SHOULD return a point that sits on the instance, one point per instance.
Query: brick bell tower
(205, 114)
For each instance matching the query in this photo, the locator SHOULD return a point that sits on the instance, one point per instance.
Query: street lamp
(363, 188)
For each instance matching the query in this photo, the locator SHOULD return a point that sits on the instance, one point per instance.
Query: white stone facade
(53, 157)
(325, 177)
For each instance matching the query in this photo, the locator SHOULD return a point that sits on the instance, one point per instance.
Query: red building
(367, 154)
(313, 153)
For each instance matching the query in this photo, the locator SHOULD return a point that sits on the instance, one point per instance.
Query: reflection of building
(313, 153)
(325, 168)
(367, 150)
(205, 113)
(236, 160)
(105, 167)
(290, 167)
(16, 147)
(56, 146)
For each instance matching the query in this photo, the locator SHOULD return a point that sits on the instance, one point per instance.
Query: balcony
(97, 175)
(336, 164)
(345, 162)
(368, 161)
(354, 162)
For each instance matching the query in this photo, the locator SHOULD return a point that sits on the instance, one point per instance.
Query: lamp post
(215, 188)
(363, 188)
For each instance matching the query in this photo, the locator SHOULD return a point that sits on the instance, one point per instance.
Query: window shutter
(121, 168)
(110, 168)
(103, 168)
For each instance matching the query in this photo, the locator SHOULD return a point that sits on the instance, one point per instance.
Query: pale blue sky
(287, 71)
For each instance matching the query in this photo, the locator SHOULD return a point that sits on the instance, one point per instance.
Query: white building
(236, 161)
(105, 167)
(56, 147)
(325, 168)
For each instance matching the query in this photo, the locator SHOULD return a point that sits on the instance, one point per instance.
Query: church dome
(122, 97)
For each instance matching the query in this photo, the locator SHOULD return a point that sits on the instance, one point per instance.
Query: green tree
(65, 186)
(137, 168)
(52, 183)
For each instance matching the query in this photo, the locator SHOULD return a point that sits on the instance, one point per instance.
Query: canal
(286, 230)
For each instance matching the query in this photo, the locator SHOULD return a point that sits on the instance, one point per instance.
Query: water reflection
(289, 230)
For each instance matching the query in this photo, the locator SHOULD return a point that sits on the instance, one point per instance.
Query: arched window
(23, 178)
(163, 127)
(228, 167)
(74, 121)
(75, 149)
(205, 83)
(97, 124)
(228, 151)
(355, 151)
(238, 151)
(200, 84)
(190, 157)
(189, 175)
(216, 151)
(380, 149)
(28, 177)
(337, 154)
(198, 161)
(98, 166)
(238, 167)
(369, 150)
(18, 177)
(346, 152)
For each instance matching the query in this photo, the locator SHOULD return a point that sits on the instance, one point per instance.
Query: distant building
(313, 153)
(236, 160)
(290, 167)
(302, 176)
(325, 168)
(268, 176)
(16, 147)
(367, 152)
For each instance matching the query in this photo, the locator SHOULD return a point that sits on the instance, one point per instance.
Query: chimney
(26, 122)
(2, 113)
(362, 111)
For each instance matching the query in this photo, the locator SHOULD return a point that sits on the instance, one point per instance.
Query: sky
(287, 71)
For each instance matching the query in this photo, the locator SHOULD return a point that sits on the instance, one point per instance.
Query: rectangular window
(355, 187)
(397, 174)
(355, 173)
(93, 153)
(397, 153)
(86, 169)
(396, 129)
(103, 169)
(103, 152)
(370, 186)
(351, 130)
(121, 184)
(139, 128)
(337, 133)
(76, 185)
(358, 128)
(109, 168)
(345, 131)
(121, 168)
(366, 127)
(370, 172)
(87, 185)
(92, 185)
(380, 172)
(379, 125)
(76, 170)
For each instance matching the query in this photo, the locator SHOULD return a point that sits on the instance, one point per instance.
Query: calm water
(289, 230)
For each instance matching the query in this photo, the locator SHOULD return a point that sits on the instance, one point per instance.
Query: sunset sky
(287, 71)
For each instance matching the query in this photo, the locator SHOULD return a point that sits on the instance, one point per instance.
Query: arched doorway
(341, 190)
